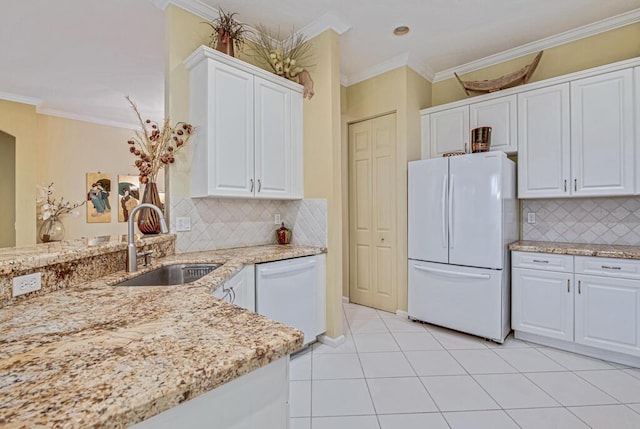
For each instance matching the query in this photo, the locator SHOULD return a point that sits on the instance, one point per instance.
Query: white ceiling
(79, 58)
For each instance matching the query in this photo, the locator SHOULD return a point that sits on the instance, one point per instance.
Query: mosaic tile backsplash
(583, 220)
(218, 223)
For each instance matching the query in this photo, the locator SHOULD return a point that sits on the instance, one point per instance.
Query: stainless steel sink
(176, 274)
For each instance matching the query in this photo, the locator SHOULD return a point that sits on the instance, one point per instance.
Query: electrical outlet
(531, 218)
(26, 284)
(276, 219)
(183, 224)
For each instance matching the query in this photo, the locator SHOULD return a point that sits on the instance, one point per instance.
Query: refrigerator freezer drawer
(462, 298)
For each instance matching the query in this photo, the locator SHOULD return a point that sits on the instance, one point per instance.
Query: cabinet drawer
(608, 267)
(542, 261)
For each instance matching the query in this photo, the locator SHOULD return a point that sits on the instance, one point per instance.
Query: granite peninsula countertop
(100, 356)
(578, 249)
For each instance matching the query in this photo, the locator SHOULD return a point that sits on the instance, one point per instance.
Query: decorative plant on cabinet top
(227, 33)
(289, 57)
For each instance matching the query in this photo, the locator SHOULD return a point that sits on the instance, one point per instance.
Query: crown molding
(85, 118)
(421, 68)
(329, 20)
(378, 69)
(17, 98)
(196, 7)
(546, 43)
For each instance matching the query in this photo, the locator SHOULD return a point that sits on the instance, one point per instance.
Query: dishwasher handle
(266, 272)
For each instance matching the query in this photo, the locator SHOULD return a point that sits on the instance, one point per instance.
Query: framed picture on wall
(98, 193)
(128, 196)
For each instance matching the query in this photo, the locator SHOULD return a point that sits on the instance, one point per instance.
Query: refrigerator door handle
(453, 273)
(451, 240)
(444, 222)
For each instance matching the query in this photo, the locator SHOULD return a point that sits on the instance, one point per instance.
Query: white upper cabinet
(544, 142)
(501, 115)
(449, 131)
(248, 142)
(602, 134)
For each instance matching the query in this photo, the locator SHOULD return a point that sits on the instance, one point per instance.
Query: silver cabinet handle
(565, 185)
(579, 281)
(251, 190)
(259, 185)
(568, 285)
(575, 184)
(540, 261)
(444, 209)
(608, 267)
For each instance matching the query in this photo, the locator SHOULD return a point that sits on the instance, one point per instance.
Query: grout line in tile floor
(385, 326)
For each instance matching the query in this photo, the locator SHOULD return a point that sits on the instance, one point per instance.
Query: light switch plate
(26, 284)
(531, 218)
(276, 219)
(183, 224)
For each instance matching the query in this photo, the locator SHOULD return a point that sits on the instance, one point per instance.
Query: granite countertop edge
(577, 249)
(197, 342)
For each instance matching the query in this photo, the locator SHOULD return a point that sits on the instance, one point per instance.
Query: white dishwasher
(293, 292)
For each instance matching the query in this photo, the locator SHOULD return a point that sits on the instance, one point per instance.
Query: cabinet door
(244, 288)
(449, 131)
(602, 134)
(272, 140)
(499, 114)
(544, 143)
(608, 313)
(542, 303)
(230, 129)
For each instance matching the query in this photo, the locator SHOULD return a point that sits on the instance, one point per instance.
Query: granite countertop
(13, 259)
(578, 249)
(100, 356)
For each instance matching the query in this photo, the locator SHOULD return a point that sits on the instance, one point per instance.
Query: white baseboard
(345, 299)
(332, 342)
(402, 314)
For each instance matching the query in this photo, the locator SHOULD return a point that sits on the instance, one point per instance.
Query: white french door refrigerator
(462, 216)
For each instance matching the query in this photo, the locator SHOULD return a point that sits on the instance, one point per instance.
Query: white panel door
(475, 210)
(542, 303)
(428, 196)
(462, 298)
(425, 145)
(232, 132)
(500, 114)
(273, 154)
(602, 134)
(607, 313)
(449, 131)
(243, 285)
(544, 143)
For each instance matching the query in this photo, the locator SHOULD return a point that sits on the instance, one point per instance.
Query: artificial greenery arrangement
(227, 33)
(288, 57)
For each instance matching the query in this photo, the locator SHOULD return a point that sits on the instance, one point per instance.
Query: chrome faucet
(132, 255)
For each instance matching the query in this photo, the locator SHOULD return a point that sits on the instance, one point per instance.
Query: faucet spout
(132, 256)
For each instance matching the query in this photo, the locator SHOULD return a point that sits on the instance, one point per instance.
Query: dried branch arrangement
(227, 30)
(156, 147)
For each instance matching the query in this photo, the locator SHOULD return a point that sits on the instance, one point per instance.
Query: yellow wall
(604, 48)
(405, 92)
(68, 149)
(7, 190)
(324, 163)
(19, 120)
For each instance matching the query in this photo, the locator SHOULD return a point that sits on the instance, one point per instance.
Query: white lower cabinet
(542, 303)
(607, 313)
(584, 304)
(259, 399)
(240, 289)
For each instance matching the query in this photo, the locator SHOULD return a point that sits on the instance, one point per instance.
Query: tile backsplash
(583, 220)
(218, 223)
